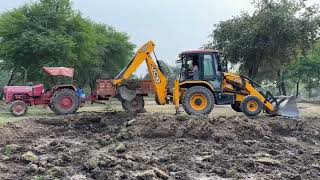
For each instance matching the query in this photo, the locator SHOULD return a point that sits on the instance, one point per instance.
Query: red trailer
(105, 88)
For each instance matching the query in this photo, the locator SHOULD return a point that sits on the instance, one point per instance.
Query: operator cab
(201, 65)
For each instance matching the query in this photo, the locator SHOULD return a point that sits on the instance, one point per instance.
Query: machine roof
(59, 71)
(200, 51)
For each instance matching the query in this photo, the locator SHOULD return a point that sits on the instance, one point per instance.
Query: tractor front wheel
(251, 106)
(65, 102)
(198, 100)
(19, 108)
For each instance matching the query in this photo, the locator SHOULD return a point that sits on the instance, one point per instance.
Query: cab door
(210, 71)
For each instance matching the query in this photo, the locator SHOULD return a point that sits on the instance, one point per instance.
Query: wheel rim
(252, 105)
(198, 101)
(65, 102)
(18, 108)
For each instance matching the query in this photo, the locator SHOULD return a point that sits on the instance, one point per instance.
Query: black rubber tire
(198, 90)
(236, 107)
(55, 102)
(23, 105)
(244, 107)
(134, 106)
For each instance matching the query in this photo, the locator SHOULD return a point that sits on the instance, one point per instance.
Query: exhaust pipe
(287, 106)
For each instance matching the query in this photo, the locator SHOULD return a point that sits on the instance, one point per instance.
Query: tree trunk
(297, 88)
(279, 88)
(253, 71)
(309, 91)
(283, 88)
(92, 84)
(281, 83)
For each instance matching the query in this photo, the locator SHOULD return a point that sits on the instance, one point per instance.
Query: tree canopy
(52, 33)
(306, 69)
(269, 39)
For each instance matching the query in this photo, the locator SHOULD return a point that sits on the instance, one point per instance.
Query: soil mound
(117, 145)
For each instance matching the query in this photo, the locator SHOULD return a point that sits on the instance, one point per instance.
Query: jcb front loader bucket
(287, 106)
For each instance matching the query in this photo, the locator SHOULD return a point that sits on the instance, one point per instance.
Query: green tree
(268, 39)
(51, 33)
(306, 70)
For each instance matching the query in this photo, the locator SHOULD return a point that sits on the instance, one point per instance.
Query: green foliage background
(52, 33)
(274, 44)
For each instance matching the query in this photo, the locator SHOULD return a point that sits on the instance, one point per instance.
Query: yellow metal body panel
(196, 82)
(226, 87)
(157, 77)
(240, 97)
(159, 81)
(176, 94)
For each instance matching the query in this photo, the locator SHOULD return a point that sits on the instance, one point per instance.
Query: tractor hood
(59, 71)
(32, 91)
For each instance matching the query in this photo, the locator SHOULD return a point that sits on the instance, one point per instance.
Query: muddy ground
(116, 145)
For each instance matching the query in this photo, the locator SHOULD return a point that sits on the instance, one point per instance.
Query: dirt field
(116, 145)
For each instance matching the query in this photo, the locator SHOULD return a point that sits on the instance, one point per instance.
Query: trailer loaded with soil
(66, 99)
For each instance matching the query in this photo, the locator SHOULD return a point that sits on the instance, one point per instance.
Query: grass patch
(33, 111)
(306, 110)
(43, 111)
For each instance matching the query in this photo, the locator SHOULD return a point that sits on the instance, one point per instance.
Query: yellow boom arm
(157, 77)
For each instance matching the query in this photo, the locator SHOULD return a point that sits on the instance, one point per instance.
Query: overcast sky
(174, 25)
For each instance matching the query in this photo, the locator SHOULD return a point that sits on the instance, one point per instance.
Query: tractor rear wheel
(64, 102)
(251, 106)
(134, 106)
(198, 100)
(19, 108)
(236, 107)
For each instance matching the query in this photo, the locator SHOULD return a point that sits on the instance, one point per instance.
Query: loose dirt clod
(161, 174)
(159, 146)
(29, 156)
(121, 148)
(146, 175)
(268, 161)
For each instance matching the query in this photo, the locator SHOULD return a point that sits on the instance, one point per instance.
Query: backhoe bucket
(126, 93)
(287, 107)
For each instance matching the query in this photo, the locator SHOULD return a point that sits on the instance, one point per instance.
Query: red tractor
(62, 99)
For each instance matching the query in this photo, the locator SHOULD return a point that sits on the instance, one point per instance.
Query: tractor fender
(189, 84)
(59, 87)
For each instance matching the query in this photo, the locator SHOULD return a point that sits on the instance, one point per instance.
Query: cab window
(208, 67)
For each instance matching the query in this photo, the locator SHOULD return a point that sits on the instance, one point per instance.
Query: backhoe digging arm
(157, 77)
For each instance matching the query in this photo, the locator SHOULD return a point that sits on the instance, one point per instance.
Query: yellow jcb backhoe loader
(202, 84)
